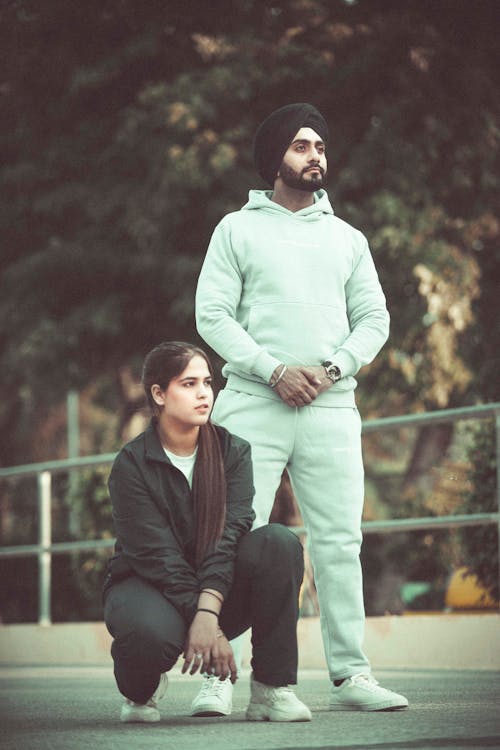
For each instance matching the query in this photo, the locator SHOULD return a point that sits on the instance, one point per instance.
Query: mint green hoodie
(298, 288)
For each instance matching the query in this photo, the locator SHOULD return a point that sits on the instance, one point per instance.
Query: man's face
(304, 165)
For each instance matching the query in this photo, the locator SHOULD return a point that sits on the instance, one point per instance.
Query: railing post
(44, 542)
(73, 423)
(73, 428)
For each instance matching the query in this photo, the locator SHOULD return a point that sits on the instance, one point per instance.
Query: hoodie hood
(262, 200)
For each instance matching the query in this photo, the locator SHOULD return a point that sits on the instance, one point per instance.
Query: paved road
(77, 708)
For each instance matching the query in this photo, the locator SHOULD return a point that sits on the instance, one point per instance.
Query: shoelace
(277, 693)
(213, 685)
(366, 681)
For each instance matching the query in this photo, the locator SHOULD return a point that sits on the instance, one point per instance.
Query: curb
(437, 641)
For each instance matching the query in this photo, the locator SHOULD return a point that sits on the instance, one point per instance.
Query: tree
(127, 131)
(481, 542)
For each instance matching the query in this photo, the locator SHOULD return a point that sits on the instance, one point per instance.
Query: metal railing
(45, 548)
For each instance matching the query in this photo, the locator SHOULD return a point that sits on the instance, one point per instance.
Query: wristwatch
(332, 371)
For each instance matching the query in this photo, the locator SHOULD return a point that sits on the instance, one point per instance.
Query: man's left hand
(320, 373)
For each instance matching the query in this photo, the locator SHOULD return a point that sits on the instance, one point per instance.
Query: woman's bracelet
(212, 611)
(284, 369)
(206, 591)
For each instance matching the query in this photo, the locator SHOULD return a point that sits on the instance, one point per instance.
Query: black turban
(275, 134)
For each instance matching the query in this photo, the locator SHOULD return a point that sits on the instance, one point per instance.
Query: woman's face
(188, 399)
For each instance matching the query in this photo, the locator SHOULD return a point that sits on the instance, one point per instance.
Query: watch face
(332, 371)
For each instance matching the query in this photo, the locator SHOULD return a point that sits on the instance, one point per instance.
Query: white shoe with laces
(361, 692)
(215, 697)
(269, 703)
(144, 713)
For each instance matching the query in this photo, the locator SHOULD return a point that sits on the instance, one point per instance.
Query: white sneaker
(215, 697)
(269, 703)
(144, 713)
(361, 692)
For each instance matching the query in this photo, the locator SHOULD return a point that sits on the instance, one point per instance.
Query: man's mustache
(315, 166)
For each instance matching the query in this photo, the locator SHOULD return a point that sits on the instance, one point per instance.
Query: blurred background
(126, 133)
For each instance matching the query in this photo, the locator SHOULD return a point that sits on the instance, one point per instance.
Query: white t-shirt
(184, 464)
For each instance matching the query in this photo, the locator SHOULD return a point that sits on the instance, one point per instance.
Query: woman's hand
(223, 664)
(201, 642)
(208, 649)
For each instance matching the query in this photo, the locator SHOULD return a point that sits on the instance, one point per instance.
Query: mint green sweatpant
(321, 448)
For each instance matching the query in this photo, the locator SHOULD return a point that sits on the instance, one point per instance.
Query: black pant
(149, 633)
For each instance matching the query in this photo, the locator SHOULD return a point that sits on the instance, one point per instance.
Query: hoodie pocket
(298, 333)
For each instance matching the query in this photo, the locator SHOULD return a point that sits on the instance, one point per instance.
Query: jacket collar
(153, 447)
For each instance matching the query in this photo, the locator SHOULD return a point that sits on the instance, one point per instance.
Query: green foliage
(88, 500)
(396, 490)
(80, 576)
(480, 543)
(127, 132)
(18, 576)
(81, 510)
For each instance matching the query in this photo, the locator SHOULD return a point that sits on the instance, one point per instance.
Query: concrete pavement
(76, 708)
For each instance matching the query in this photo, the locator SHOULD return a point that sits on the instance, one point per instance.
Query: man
(289, 296)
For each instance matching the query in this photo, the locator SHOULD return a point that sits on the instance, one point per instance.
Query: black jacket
(152, 513)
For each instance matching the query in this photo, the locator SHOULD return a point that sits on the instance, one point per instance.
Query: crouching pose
(188, 574)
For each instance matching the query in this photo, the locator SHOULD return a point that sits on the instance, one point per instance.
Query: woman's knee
(288, 546)
(145, 628)
(146, 644)
(277, 549)
(281, 538)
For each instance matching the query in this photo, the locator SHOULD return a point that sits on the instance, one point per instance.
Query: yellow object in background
(466, 592)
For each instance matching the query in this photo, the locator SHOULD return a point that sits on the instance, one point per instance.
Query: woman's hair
(163, 363)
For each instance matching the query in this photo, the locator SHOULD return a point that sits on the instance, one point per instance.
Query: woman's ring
(198, 656)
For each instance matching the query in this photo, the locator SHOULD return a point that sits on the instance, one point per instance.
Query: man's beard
(297, 181)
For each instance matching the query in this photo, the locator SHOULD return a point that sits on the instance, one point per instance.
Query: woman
(188, 574)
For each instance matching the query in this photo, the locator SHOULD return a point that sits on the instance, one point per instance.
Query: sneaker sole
(142, 720)
(210, 710)
(257, 715)
(357, 707)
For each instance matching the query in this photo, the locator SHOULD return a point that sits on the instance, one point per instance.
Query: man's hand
(299, 386)
(324, 381)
